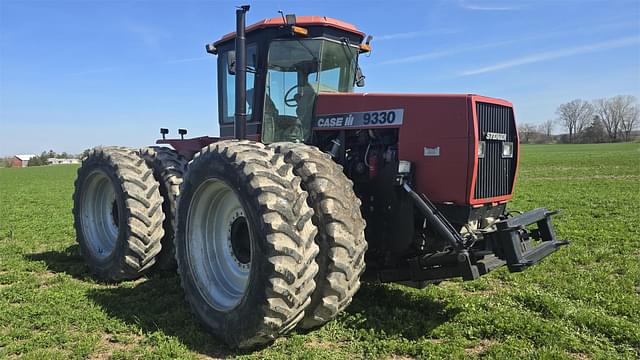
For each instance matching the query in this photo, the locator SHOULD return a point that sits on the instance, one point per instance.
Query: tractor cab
(288, 62)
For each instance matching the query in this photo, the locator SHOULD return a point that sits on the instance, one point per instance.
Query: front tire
(244, 243)
(117, 213)
(340, 230)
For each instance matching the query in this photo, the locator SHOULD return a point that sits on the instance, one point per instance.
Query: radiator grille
(495, 174)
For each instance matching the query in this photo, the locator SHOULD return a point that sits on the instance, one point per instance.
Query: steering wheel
(291, 102)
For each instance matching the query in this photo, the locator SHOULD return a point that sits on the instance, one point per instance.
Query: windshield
(297, 71)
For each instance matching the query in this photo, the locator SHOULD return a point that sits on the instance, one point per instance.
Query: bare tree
(547, 127)
(629, 116)
(618, 114)
(611, 122)
(575, 116)
(595, 132)
(527, 132)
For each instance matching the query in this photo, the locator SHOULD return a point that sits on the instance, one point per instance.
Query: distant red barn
(21, 160)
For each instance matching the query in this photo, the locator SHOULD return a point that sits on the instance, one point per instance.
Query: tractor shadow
(395, 311)
(156, 304)
(153, 304)
(68, 261)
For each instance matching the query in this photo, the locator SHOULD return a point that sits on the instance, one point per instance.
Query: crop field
(582, 302)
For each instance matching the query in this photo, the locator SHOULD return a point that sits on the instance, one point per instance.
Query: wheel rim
(218, 244)
(100, 214)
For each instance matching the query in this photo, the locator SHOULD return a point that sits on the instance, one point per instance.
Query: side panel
(436, 135)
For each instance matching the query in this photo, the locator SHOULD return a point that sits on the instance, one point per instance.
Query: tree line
(602, 120)
(41, 159)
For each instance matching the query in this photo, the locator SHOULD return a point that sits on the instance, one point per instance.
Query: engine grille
(495, 174)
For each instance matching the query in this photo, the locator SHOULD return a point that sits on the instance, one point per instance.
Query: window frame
(225, 97)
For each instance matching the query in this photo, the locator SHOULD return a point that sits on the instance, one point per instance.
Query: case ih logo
(495, 136)
(335, 121)
(392, 117)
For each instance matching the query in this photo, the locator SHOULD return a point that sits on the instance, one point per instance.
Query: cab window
(229, 85)
(297, 70)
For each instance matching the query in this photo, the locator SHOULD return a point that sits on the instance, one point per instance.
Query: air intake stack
(241, 74)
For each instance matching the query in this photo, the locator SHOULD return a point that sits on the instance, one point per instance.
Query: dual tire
(340, 227)
(124, 210)
(266, 238)
(245, 243)
(118, 213)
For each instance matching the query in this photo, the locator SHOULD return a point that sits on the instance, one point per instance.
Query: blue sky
(75, 74)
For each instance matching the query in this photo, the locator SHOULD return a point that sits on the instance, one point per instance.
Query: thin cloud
(556, 54)
(148, 35)
(415, 34)
(549, 34)
(483, 7)
(92, 71)
(444, 53)
(179, 61)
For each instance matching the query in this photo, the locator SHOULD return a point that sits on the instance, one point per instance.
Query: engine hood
(440, 135)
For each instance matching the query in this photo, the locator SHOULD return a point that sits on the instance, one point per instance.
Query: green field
(583, 302)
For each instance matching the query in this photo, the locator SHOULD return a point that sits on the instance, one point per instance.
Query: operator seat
(306, 98)
(270, 118)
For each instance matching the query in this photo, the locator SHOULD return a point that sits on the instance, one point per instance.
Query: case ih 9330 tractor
(267, 221)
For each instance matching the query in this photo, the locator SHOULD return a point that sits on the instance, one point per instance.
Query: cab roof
(300, 21)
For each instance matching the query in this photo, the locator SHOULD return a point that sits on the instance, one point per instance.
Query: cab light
(299, 30)
(365, 48)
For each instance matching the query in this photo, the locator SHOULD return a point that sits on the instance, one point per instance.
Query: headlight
(507, 149)
(481, 149)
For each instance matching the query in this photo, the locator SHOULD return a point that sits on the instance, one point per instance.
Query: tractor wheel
(245, 243)
(340, 230)
(117, 213)
(168, 169)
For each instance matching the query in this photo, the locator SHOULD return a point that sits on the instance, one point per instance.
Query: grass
(582, 302)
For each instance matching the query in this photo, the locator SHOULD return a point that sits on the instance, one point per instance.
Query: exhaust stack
(241, 74)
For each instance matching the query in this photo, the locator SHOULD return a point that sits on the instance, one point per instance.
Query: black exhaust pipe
(241, 74)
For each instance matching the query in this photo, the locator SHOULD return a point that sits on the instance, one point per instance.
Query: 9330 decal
(357, 119)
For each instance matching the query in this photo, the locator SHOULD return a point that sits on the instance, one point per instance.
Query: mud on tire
(246, 286)
(340, 230)
(117, 213)
(168, 169)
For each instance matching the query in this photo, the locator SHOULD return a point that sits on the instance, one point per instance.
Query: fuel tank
(463, 147)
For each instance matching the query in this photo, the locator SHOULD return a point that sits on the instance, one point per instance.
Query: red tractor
(267, 222)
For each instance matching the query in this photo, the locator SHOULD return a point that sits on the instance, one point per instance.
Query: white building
(54, 161)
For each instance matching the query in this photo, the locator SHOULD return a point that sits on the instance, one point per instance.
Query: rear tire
(340, 230)
(168, 169)
(117, 213)
(244, 243)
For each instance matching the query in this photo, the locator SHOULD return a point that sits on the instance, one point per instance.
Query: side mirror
(231, 61)
(359, 77)
(211, 49)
